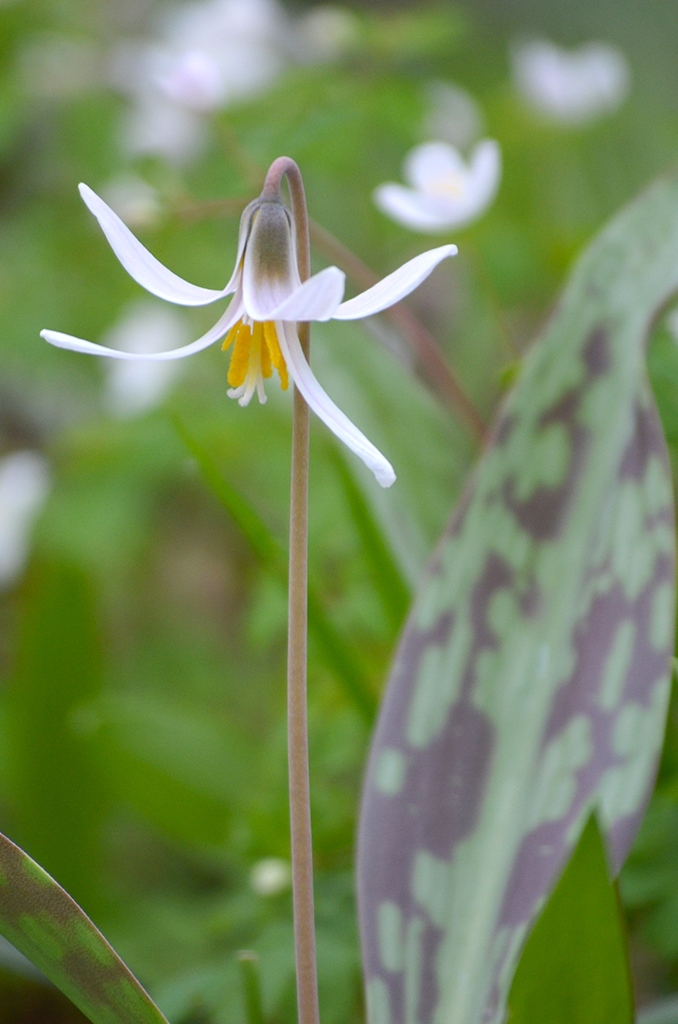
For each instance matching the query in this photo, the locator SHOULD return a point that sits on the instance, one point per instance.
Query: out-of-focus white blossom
(135, 386)
(24, 486)
(271, 876)
(324, 33)
(206, 55)
(572, 86)
(453, 116)
(445, 190)
(134, 200)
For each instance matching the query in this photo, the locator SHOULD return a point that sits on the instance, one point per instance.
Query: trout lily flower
(269, 300)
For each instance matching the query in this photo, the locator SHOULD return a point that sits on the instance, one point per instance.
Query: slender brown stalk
(297, 729)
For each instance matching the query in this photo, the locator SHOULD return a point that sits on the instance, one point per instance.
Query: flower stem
(297, 728)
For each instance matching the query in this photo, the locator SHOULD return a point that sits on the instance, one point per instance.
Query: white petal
(316, 299)
(484, 174)
(141, 265)
(419, 211)
(396, 286)
(221, 328)
(324, 407)
(431, 162)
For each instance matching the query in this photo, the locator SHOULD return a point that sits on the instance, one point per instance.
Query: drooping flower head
(269, 300)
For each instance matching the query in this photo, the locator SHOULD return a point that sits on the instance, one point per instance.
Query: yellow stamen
(230, 337)
(276, 355)
(264, 355)
(240, 357)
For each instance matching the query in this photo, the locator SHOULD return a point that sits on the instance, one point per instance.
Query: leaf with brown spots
(41, 919)
(531, 682)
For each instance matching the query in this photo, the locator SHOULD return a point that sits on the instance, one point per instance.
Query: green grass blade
(532, 679)
(251, 983)
(575, 965)
(41, 920)
(390, 585)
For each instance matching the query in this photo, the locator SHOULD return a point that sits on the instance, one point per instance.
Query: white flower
(24, 486)
(205, 56)
(137, 386)
(268, 301)
(571, 86)
(446, 191)
(271, 876)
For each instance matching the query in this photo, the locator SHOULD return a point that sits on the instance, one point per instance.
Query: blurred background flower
(271, 876)
(24, 486)
(446, 190)
(205, 56)
(135, 387)
(572, 86)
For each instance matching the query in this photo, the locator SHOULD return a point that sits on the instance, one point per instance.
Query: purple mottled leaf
(41, 920)
(531, 682)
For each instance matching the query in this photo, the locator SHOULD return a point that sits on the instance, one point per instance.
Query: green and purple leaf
(531, 683)
(41, 920)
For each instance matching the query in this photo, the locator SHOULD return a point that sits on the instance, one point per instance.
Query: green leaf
(52, 774)
(251, 982)
(41, 920)
(386, 575)
(532, 679)
(575, 964)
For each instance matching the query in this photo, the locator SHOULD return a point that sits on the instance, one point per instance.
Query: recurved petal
(222, 326)
(141, 265)
(419, 211)
(316, 299)
(324, 407)
(396, 286)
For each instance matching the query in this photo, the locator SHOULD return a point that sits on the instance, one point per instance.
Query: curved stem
(297, 727)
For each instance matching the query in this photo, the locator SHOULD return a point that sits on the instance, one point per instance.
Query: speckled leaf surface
(532, 678)
(41, 919)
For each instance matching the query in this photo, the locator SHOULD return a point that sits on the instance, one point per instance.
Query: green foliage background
(142, 732)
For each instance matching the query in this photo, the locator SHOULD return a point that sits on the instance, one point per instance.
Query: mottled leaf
(575, 965)
(41, 920)
(532, 678)
(663, 1012)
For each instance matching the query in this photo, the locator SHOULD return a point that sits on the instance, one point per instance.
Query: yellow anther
(255, 352)
(240, 357)
(259, 347)
(276, 355)
(230, 337)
